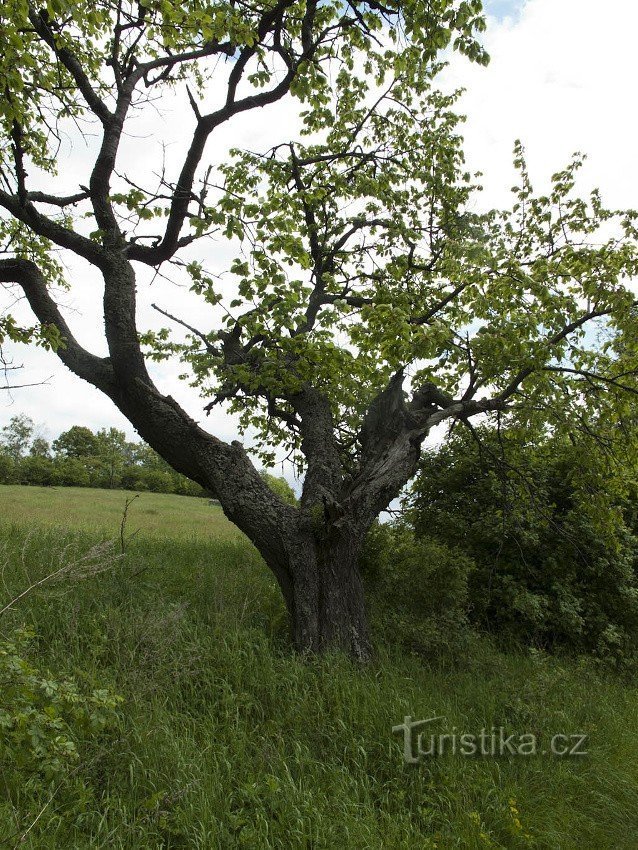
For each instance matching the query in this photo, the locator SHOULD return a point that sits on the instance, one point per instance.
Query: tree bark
(328, 610)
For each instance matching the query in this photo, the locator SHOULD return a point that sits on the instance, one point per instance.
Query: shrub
(37, 471)
(48, 725)
(71, 472)
(555, 560)
(185, 487)
(100, 473)
(155, 481)
(417, 591)
(8, 471)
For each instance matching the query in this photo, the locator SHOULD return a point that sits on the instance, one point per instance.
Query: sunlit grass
(150, 514)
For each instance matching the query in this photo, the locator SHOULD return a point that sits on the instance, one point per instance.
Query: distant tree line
(80, 457)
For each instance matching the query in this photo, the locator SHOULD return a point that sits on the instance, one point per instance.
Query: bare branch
(57, 201)
(216, 352)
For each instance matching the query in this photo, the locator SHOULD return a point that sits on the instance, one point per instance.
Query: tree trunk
(328, 607)
(312, 549)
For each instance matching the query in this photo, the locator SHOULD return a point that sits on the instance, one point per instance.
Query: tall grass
(226, 739)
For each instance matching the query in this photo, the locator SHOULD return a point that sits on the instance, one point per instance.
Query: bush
(555, 560)
(8, 471)
(155, 481)
(37, 471)
(71, 472)
(185, 487)
(101, 473)
(417, 591)
(48, 724)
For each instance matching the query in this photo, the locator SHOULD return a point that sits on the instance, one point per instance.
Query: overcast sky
(562, 78)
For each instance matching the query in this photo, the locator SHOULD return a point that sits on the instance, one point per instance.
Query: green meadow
(158, 515)
(218, 736)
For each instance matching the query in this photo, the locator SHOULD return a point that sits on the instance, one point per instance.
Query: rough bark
(329, 605)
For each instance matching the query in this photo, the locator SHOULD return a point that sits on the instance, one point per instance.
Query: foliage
(38, 84)
(364, 264)
(78, 441)
(361, 249)
(280, 486)
(8, 473)
(543, 521)
(43, 718)
(36, 470)
(48, 726)
(16, 436)
(70, 472)
(40, 448)
(418, 591)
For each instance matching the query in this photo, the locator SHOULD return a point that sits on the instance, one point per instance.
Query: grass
(155, 515)
(226, 740)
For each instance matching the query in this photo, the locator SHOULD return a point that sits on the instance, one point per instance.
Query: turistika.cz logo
(420, 743)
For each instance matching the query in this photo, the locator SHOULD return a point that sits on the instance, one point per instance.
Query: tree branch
(514, 384)
(156, 254)
(95, 370)
(50, 229)
(57, 201)
(72, 64)
(216, 352)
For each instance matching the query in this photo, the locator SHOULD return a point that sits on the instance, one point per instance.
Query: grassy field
(225, 739)
(155, 515)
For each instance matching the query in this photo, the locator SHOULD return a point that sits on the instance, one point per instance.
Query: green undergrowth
(211, 733)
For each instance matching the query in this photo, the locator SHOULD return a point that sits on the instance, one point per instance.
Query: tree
(16, 436)
(363, 265)
(115, 452)
(40, 448)
(78, 442)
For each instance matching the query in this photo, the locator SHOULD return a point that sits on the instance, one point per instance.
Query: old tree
(369, 301)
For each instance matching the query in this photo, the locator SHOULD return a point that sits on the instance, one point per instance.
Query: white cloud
(561, 79)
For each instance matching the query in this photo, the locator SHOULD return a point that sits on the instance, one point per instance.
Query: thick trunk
(312, 549)
(328, 609)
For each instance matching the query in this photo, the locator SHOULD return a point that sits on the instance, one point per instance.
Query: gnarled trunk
(328, 606)
(312, 549)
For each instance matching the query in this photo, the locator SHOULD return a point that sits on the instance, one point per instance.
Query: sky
(561, 78)
(500, 9)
